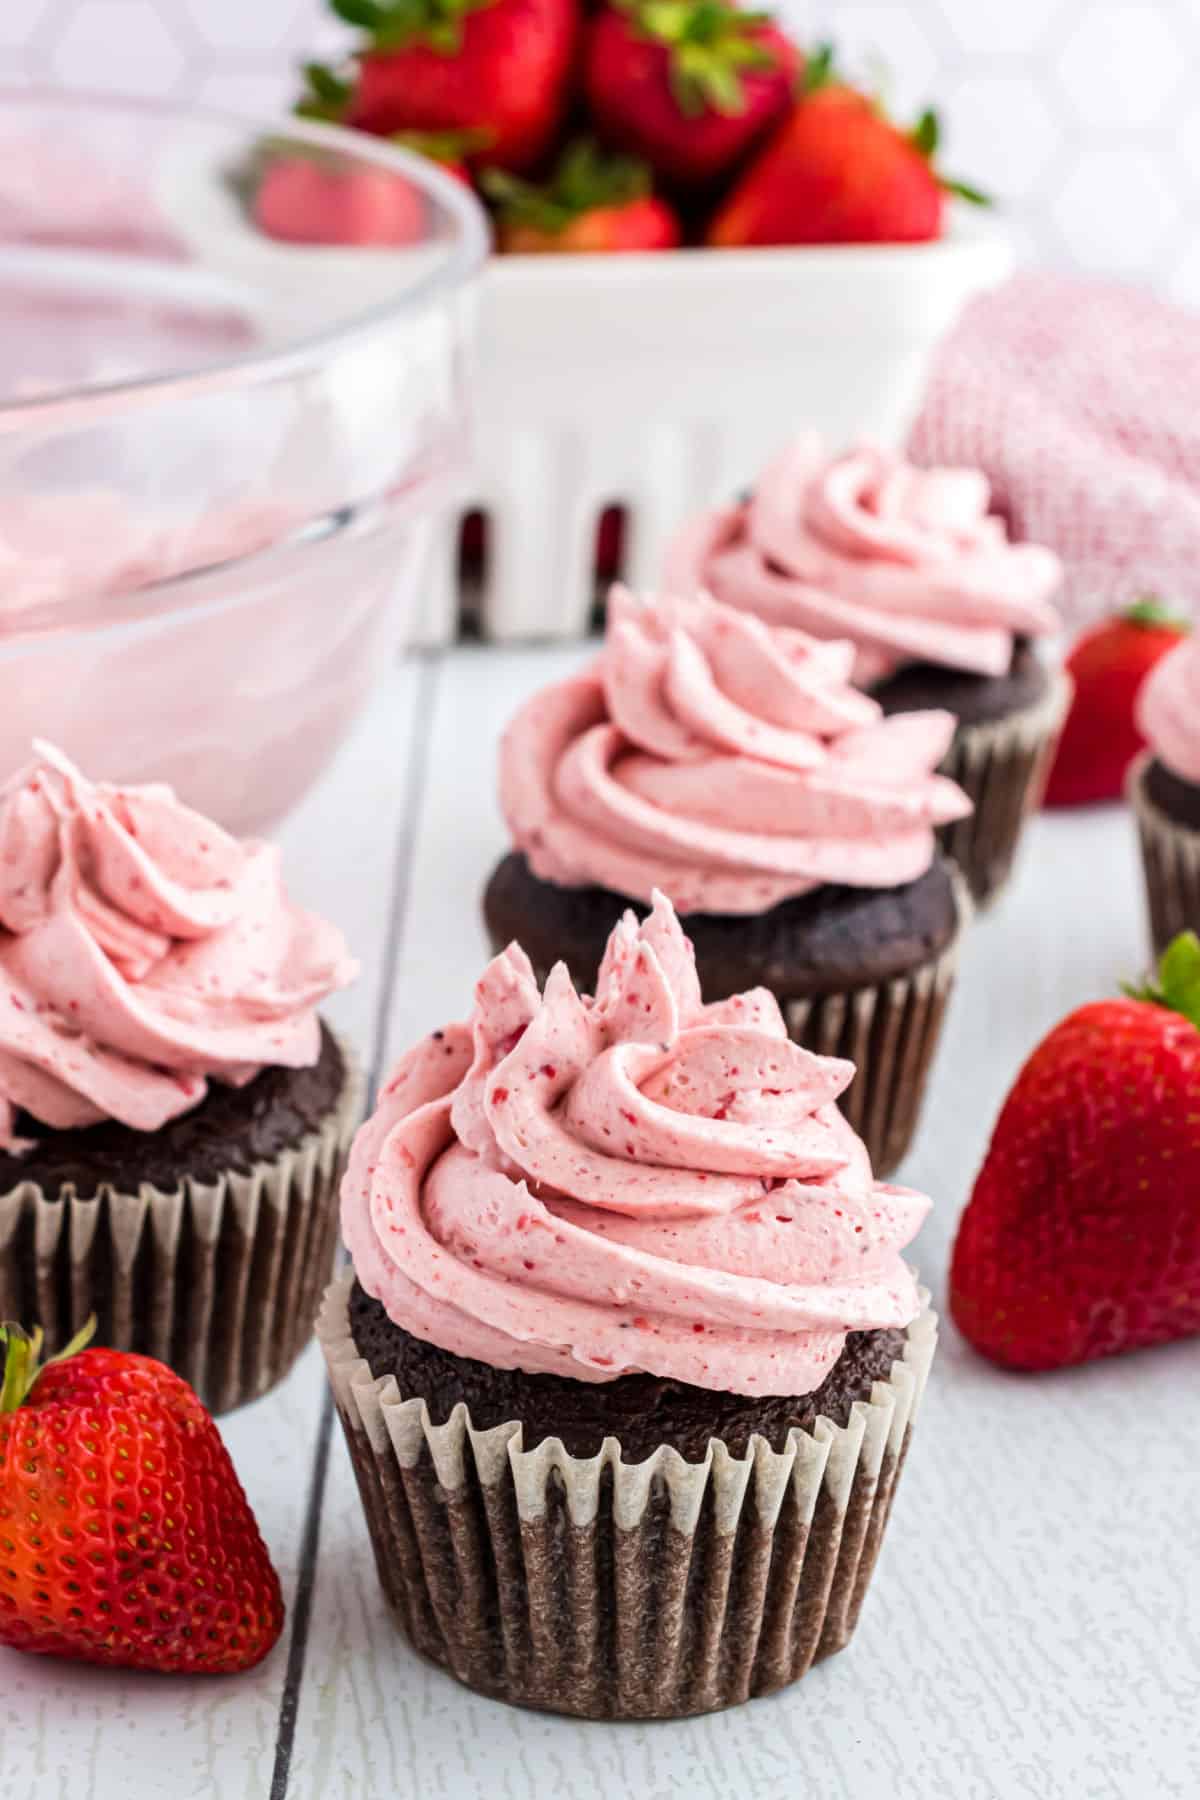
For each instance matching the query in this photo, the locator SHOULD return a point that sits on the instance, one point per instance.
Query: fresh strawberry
(1082, 1237)
(592, 202)
(690, 85)
(125, 1537)
(327, 97)
(1101, 738)
(499, 69)
(303, 198)
(839, 172)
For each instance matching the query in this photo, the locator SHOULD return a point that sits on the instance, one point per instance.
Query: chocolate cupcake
(737, 769)
(173, 1114)
(1164, 791)
(943, 611)
(629, 1358)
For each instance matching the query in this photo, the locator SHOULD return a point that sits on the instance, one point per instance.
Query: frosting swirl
(1168, 710)
(143, 952)
(729, 764)
(907, 563)
(637, 1182)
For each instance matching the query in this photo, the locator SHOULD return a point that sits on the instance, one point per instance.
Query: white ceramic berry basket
(660, 383)
(656, 383)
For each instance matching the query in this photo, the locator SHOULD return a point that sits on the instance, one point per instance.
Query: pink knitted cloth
(1081, 401)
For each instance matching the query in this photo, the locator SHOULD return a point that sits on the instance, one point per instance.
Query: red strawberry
(498, 68)
(1082, 1237)
(327, 97)
(839, 172)
(305, 199)
(125, 1537)
(691, 85)
(592, 202)
(1101, 737)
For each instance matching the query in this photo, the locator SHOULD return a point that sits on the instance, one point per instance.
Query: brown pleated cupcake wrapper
(1170, 860)
(220, 1280)
(890, 1033)
(1003, 769)
(613, 1590)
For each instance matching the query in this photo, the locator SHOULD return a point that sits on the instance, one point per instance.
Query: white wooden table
(1034, 1626)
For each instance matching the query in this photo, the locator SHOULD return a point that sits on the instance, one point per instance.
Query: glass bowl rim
(251, 368)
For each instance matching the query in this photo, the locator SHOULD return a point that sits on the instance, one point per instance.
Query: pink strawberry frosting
(636, 1182)
(1168, 710)
(143, 952)
(907, 563)
(730, 765)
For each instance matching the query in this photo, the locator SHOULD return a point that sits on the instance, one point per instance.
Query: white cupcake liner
(220, 1280)
(612, 1590)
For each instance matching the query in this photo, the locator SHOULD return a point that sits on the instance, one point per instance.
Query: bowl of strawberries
(705, 236)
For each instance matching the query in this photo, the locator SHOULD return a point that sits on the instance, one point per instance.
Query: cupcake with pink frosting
(630, 1356)
(173, 1112)
(736, 768)
(942, 608)
(1164, 788)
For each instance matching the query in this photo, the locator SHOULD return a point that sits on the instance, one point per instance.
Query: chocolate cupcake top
(730, 765)
(143, 952)
(593, 1187)
(1168, 710)
(907, 563)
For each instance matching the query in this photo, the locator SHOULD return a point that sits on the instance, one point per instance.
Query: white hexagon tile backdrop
(1080, 114)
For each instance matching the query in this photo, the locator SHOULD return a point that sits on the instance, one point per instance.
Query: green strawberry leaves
(712, 45)
(444, 146)
(926, 134)
(820, 68)
(586, 178)
(327, 95)
(964, 191)
(394, 24)
(926, 137)
(1149, 611)
(1178, 984)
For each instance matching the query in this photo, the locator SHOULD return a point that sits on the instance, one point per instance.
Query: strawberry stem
(22, 1364)
(1178, 983)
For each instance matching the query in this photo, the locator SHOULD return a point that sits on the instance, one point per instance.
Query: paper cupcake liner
(889, 1032)
(609, 1590)
(220, 1280)
(1170, 860)
(1003, 768)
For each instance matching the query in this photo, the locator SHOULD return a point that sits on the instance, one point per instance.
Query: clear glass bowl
(222, 454)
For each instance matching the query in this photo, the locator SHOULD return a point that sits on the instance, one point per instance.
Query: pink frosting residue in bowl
(143, 953)
(592, 1187)
(64, 556)
(1168, 710)
(731, 765)
(907, 563)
